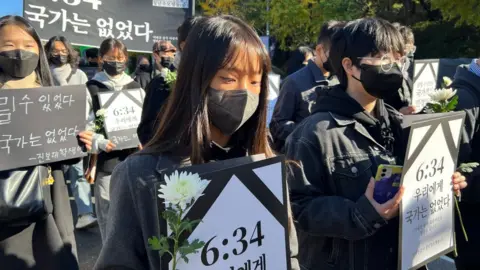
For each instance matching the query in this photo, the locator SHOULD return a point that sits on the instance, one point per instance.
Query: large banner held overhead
(244, 216)
(40, 125)
(138, 23)
(427, 215)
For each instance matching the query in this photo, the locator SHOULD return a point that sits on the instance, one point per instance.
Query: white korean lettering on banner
(170, 3)
(146, 33)
(125, 30)
(105, 28)
(37, 16)
(95, 3)
(76, 22)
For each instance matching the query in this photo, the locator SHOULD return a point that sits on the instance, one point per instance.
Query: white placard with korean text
(123, 115)
(244, 218)
(424, 82)
(427, 208)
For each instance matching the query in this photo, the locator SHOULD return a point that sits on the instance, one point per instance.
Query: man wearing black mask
(92, 59)
(296, 94)
(157, 91)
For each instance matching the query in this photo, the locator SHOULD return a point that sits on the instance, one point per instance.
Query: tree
(465, 11)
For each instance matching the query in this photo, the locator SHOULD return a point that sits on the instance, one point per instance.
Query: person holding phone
(339, 148)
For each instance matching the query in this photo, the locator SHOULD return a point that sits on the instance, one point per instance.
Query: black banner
(138, 23)
(40, 125)
(122, 111)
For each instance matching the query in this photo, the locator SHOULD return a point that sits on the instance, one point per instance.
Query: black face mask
(166, 61)
(378, 83)
(327, 66)
(18, 63)
(113, 68)
(59, 60)
(144, 67)
(229, 110)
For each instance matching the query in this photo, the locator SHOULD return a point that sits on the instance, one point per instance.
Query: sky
(11, 7)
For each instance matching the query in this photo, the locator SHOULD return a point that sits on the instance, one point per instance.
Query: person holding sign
(339, 149)
(62, 59)
(114, 56)
(26, 242)
(217, 111)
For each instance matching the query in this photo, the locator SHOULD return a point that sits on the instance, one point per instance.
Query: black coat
(48, 244)
(157, 92)
(142, 77)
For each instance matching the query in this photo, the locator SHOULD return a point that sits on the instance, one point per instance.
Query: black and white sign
(40, 125)
(273, 91)
(244, 217)
(424, 82)
(427, 209)
(123, 114)
(89, 22)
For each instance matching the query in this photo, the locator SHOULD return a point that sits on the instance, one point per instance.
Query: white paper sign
(424, 82)
(274, 90)
(245, 226)
(123, 115)
(427, 216)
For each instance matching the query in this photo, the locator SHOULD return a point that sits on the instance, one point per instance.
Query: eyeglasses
(386, 62)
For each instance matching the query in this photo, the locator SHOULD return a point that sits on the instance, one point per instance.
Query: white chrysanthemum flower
(447, 81)
(442, 95)
(101, 112)
(182, 189)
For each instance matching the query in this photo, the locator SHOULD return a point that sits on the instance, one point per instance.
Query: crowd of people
(336, 120)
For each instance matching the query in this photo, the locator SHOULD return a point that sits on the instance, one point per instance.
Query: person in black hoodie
(157, 91)
(114, 56)
(217, 111)
(49, 242)
(467, 84)
(338, 150)
(142, 72)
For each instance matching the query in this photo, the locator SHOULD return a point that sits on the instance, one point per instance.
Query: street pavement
(89, 245)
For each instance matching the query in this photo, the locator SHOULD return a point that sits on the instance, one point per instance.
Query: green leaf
(154, 243)
(467, 167)
(191, 248)
(170, 215)
(452, 104)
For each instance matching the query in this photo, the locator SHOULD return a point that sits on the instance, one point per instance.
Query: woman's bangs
(248, 57)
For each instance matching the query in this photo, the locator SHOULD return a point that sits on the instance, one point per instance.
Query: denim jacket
(334, 157)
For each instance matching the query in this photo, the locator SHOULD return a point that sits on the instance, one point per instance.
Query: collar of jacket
(316, 72)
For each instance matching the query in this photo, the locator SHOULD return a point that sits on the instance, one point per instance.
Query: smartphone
(387, 182)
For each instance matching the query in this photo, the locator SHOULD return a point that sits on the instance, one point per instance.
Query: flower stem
(460, 218)
(175, 239)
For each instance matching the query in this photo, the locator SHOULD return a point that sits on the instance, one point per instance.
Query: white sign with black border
(123, 115)
(427, 209)
(424, 82)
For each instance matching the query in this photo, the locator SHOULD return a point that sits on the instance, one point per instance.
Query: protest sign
(427, 208)
(137, 23)
(40, 125)
(274, 90)
(424, 82)
(244, 216)
(123, 112)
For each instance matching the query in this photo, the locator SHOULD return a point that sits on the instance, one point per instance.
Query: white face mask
(176, 60)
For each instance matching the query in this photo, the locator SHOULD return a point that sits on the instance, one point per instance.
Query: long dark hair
(72, 55)
(214, 43)
(43, 71)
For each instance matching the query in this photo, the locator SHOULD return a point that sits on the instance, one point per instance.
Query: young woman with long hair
(49, 242)
(217, 111)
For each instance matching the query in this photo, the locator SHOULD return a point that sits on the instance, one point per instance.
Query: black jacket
(157, 92)
(132, 216)
(338, 149)
(107, 161)
(467, 85)
(402, 97)
(142, 77)
(296, 97)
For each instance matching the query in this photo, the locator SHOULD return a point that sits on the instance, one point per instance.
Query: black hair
(91, 53)
(214, 43)
(295, 62)
(185, 28)
(327, 31)
(361, 38)
(112, 43)
(44, 76)
(72, 55)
